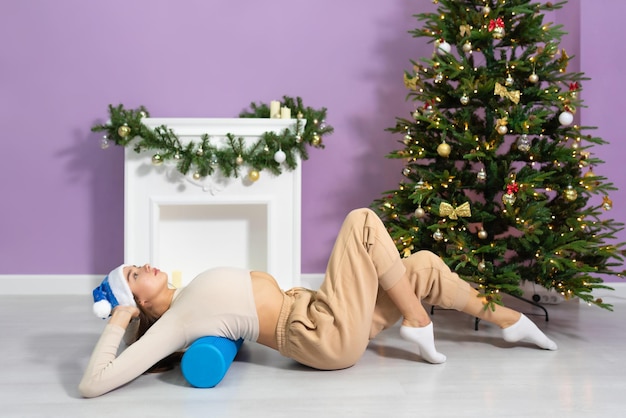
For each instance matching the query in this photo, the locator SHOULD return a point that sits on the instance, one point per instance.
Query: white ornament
(566, 118)
(280, 156)
(443, 48)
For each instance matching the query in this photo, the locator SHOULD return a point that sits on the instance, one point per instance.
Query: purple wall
(63, 62)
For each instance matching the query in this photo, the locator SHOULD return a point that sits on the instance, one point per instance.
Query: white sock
(526, 330)
(425, 340)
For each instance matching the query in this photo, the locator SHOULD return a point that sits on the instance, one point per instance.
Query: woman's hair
(145, 322)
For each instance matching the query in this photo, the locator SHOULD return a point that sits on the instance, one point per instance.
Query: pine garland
(125, 126)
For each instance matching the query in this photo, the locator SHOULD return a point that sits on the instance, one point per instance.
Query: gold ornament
(607, 204)
(254, 175)
(467, 47)
(438, 235)
(464, 99)
(482, 266)
(498, 32)
(482, 234)
(444, 149)
(410, 83)
(123, 131)
(501, 91)
(316, 140)
(239, 160)
(196, 176)
(508, 198)
(533, 78)
(465, 30)
(420, 212)
(501, 126)
(509, 80)
(570, 193)
(157, 159)
(407, 251)
(446, 209)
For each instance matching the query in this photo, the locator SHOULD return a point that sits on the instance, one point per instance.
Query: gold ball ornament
(123, 131)
(502, 129)
(467, 47)
(607, 203)
(444, 149)
(464, 99)
(482, 234)
(316, 140)
(254, 175)
(482, 266)
(508, 198)
(570, 194)
(420, 212)
(157, 159)
(533, 78)
(438, 78)
(196, 176)
(438, 235)
(486, 10)
(239, 160)
(509, 81)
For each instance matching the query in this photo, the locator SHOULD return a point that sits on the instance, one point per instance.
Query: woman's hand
(123, 314)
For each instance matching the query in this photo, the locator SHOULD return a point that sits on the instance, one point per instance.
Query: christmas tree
(499, 179)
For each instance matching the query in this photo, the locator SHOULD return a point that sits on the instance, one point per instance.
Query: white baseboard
(48, 284)
(83, 284)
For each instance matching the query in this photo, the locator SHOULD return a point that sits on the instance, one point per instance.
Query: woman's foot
(425, 340)
(525, 330)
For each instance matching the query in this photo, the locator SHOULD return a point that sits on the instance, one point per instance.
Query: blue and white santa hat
(113, 291)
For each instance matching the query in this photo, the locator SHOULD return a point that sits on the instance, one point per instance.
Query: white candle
(285, 113)
(177, 279)
(274, 109)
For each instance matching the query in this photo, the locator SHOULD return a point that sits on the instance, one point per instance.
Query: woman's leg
(430, 279)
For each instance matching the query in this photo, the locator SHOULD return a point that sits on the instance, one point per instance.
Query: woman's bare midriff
(268, 299)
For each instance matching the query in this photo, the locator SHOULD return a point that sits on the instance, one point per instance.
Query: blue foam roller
(207, 360)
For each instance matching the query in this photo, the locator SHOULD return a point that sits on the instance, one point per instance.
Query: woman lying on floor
(367, 289)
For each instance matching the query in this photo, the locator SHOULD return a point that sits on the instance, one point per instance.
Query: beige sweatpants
(330, 328)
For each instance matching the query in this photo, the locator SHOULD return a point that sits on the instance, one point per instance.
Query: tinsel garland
(272, 151)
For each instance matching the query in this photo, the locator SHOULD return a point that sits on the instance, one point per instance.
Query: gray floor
(46, 342)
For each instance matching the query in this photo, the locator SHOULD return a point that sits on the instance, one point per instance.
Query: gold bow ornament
(465, 30)
(446, 209)
(501, 91)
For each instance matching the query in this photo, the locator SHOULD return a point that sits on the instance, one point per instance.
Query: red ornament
(497, 23)
(574, 86)
(512, 188)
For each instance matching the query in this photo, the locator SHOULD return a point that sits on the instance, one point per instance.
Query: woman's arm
(107, 371)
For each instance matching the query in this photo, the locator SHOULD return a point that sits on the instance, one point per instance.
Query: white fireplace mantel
(178, 223)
